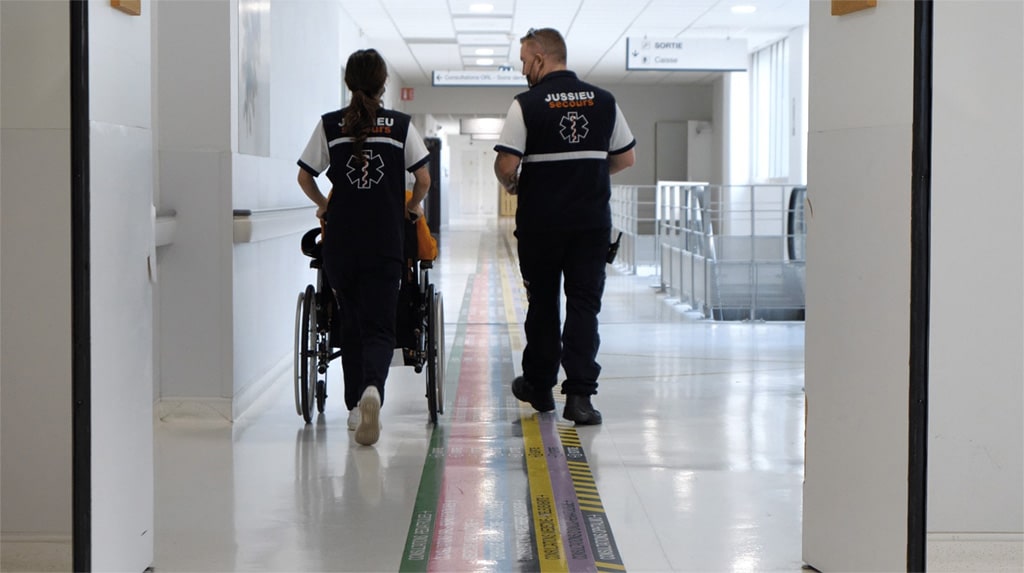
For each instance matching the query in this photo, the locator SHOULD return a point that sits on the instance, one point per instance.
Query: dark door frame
(81, 360)
(920, 283)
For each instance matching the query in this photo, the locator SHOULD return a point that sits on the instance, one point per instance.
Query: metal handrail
(728, 251)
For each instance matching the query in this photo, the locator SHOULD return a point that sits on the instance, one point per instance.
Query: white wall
(227, 311)
(268, 275)
(35, 282)
(855, 496)
(735, 117)
(858, 288)
(976, 419)
(193, 150)
(798, 105)
(121, 249)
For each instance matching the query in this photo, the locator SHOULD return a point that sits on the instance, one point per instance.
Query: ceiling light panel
(434, 56)
(475, 62)
(595, 33)
(671, 14)
(478, 125)
(370, 17)
(500, 7)
(483, 39)
(559, 15)
(421, 18)
(497, 24)
(498, 52)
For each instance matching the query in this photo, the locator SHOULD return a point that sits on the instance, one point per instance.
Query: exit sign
(685, 55)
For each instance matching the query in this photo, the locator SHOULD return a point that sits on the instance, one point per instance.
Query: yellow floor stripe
(515, 339)
(545, 515)
(551, 551)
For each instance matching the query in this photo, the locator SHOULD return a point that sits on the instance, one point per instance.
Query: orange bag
(426, 244)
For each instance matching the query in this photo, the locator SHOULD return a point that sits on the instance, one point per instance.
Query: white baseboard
(250, 396)
(36, 553)
(966, 552)
(224, 410)
(217, 410)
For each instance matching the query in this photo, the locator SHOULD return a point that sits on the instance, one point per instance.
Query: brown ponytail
(365, 74)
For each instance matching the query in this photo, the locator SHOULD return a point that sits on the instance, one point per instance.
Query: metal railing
(633, 214)
(732, 252)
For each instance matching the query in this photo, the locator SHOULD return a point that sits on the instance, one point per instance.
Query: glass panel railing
(730, 252)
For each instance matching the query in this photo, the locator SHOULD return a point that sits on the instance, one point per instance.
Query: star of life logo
(574, 127)
(365, 175)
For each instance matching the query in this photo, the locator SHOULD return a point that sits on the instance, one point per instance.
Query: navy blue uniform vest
(564, 182)
(367, 205)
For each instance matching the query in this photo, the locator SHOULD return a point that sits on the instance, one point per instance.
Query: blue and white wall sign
(494, 78)
(676, 54)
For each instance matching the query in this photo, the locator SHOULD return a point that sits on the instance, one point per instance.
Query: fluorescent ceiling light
(744, 9)
(481, 8)
(498, 52)
(484, 62)
(480, 125)
(482, 39)
(482, 24)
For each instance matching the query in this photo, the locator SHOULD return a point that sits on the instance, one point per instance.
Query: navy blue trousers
(545, 259)
(366, 288)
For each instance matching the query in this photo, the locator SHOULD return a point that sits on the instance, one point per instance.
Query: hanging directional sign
(490, 78)
(675, 54)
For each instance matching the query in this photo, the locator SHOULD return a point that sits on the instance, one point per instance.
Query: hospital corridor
(697, 467)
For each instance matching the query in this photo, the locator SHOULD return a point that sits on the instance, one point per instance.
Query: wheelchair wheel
(441, 362)
(307, 347)
(321, 395)
(296, 378)
(435, 353)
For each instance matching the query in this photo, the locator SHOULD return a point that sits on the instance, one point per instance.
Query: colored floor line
(554, 509)
(599, 541)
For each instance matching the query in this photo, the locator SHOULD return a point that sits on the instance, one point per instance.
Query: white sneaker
(368, 431)
(353, 419)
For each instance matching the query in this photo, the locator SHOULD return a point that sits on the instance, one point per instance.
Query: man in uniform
(568, 137)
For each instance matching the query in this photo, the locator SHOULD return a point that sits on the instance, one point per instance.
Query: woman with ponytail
(366, 151)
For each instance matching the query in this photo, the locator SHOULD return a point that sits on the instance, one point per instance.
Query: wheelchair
(419, 329)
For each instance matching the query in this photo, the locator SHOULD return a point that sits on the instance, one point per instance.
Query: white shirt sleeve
(317, 156)
(622, 137)
(415, 149)
(513, 133)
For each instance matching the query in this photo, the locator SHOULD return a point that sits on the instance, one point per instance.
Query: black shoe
(541, 400)
(579, 409)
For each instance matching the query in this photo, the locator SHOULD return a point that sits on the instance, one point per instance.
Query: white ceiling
(420, 36)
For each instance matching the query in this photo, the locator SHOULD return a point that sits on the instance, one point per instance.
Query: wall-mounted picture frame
(841, 7)
(254, 77)
(132, 7)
